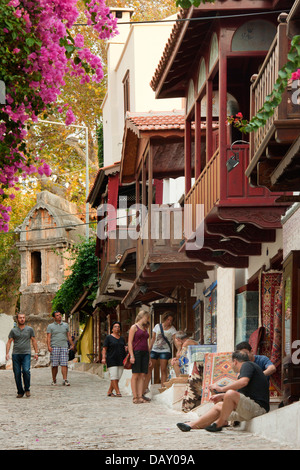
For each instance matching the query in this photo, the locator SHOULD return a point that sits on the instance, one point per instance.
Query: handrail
(263, 86)
(205, 192)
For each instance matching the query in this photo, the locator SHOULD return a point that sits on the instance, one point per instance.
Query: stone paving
(82, 417)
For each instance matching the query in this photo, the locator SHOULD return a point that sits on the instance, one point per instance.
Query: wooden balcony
(113, 249)
(160, 265)
(234, 217)
(274, 148)
(205, 192)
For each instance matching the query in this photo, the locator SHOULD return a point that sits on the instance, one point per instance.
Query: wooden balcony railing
(160, 235)
(217, 187)
(116, 243)
(281, 121)
(202, 196)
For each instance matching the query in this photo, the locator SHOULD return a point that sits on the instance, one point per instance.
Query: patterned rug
(271, 319)
(193, 390)
(217, 370)
(196, 353)
(255, 339)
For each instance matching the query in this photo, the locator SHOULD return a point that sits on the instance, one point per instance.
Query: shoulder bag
(162, 333)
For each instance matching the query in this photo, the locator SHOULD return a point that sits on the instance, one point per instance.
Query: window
(36, 266)
(126, 92)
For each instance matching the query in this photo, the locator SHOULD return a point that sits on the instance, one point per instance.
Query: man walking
(22, 336)
(58, 336)
(241, 400)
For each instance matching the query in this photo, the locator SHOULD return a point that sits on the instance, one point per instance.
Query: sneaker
(66, 382)
(53, 382)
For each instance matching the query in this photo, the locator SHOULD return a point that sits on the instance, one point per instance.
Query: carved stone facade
(49, 229)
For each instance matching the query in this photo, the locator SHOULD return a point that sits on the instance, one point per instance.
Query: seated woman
(180, 362)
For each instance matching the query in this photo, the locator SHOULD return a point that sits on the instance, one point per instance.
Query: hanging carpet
(271, 319)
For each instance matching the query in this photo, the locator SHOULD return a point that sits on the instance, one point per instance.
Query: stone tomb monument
(49, 228)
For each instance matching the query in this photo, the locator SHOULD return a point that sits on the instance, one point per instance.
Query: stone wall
(291, 230)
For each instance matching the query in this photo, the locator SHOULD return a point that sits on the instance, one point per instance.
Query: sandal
(143, 400)
(136, 400)
(146, 398)
(118, 395)
(111, 395)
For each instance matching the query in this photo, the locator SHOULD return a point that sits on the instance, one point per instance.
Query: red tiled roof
(201, 12)
(156, 120)
(159, 121)
(115, 167)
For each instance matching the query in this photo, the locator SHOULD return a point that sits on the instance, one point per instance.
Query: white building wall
(268, 251)
(291, 230)
(229, 279)
(137, 49)
(225, 309)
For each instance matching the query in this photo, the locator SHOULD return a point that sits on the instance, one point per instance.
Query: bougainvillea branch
(37, 50)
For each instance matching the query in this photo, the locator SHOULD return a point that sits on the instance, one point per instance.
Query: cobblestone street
(82, 417)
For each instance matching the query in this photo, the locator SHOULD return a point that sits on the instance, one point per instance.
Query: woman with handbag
(113, 353)
(139, 355)
(161, 346)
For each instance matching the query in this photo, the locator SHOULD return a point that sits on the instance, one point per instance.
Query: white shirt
(160, 344)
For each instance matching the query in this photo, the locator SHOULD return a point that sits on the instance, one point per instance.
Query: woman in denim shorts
(160, 348)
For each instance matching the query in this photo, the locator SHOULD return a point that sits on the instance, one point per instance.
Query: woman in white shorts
(113, 354)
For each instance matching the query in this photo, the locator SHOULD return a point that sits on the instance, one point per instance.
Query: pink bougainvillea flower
(40, 58)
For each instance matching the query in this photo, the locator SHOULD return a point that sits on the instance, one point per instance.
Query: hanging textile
(193, 391)
(210, 314)
(271, 319)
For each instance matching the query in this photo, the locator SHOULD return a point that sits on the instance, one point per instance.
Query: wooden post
(150, 190)
(208, 120)
(197, 139)
(222, 121)
(187, 154)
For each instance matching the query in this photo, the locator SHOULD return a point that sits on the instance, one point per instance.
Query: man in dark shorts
(58, 336)
(22, 336)
(241, 400)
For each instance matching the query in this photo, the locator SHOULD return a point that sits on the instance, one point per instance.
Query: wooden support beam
(249, 234)
(222, 259)
(292, 153)
(236, 247)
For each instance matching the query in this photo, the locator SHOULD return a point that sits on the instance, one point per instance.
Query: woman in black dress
(113, 353)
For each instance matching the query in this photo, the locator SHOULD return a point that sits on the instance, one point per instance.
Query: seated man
(262, 361)
(241, 400)
(180, 362)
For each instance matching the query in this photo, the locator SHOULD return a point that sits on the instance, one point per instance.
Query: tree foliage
(191, 3)
(37, 53)
(10, 257)
(84, 275)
